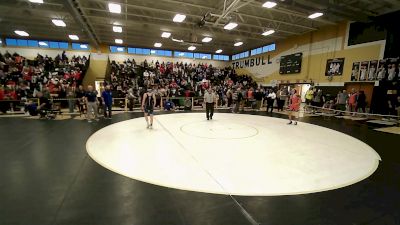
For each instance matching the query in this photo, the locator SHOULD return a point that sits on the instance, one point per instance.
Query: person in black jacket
(361, 101)
(258, 95)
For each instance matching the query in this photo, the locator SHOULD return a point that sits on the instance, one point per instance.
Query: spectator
(80, 94)
(131, 99)
(91, 104)
(44, 104)
(352, 100)
(258, 96)
(270, 100)
(361, 101)
(309, 96)
(294, 106)
(188, 104)
(106, 96)
(169, 105)
(318, 99)
(281, 98)
(342, 99)
(71, 101)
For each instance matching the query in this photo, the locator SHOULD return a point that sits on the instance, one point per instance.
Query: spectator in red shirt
(1, 93)
(294, 106)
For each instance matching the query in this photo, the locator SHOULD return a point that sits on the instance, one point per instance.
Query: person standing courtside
(294, 106)
(91, 103)
(148, 104)
(106, 96)
(209, 99)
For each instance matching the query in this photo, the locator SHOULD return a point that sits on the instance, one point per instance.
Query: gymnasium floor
(48, 177)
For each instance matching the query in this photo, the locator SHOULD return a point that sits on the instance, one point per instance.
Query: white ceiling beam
(277, 21)
(290, 12)
(171, 26)
(245, 33)
(227, 11)
(243, 14)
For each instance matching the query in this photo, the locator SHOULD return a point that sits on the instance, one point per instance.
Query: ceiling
(143, 21)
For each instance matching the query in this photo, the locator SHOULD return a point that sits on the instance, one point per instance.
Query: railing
(329, 111)
(77, 106)
(119, 104)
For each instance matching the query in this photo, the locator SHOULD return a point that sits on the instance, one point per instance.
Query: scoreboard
(290, 64)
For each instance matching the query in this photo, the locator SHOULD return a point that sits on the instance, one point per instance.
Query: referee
(209, 99)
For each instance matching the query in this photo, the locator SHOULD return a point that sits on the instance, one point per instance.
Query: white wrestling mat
(233, 154)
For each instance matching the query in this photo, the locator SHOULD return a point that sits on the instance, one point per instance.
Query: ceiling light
(73, 37)
(165, 34)
(153, 51)
(21, 33)
(117, 29)
(119, 41)
(230, 26)
(114, 8)
(269, 4)
(83, 46)
(36, 1)
(238, 43)
(179, 18)
(177, 40)
(268, 32)
(59, 23)
(218, 51)
(192, 48)
(206, 39)
(157, 45)
(42, 43)
(315, 15)
(120, 49)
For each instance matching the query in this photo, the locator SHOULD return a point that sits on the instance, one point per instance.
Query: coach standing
(209, 99)
(106, 96)
(91, 103)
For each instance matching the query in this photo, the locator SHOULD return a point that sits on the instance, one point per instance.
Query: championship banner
(381, 74)
(363, 70)
(334, 67)
(355, 71)
(372, 72)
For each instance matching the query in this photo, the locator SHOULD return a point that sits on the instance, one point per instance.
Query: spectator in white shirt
(271, 99)
(146, 74)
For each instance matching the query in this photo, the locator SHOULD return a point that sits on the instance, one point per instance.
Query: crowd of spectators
(22, 78)
(171, 80)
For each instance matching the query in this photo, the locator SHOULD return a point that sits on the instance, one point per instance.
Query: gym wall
(317, 47)
(31, 53)
(140, 58)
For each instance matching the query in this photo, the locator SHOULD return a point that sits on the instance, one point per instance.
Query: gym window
(140, 51)
(183, 54)
(36, 43)
(161, 52)
(117, 49)
(79, 46)
(221, 57)
(201, 56)
(264, 49)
